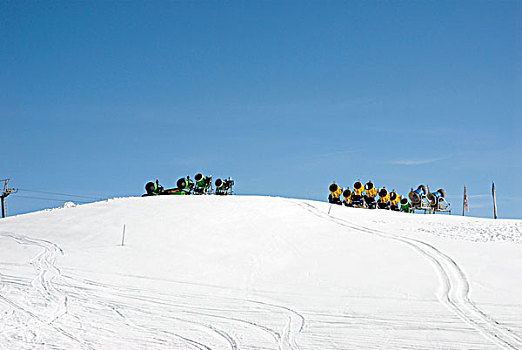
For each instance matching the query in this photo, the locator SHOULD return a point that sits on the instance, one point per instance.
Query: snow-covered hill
(257, 273)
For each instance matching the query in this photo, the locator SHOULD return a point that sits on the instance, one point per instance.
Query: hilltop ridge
(255, 272)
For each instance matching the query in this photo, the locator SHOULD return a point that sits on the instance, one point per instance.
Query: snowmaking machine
(437, 201)
(185, 185)
(153, 189)
(357, 195)
(224, 186)
(384, 199)
(395, 200)
(203, 184)
(335, 194)
(419, 200)
(369, 197)
(347, 194)
(405, 205)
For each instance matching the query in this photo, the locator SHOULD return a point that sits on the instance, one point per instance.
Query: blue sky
(100, 97)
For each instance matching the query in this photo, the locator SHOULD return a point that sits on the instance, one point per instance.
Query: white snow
(243, 272)
(68, 205)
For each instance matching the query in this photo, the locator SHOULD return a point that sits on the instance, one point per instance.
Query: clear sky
(97, 98)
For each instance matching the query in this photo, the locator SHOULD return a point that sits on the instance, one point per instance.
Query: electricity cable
(48, 199)
(51, 199)
(60, 194)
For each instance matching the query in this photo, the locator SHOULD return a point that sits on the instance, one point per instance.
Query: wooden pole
(465, 204)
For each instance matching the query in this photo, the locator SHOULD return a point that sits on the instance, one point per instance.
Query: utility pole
(5, 192)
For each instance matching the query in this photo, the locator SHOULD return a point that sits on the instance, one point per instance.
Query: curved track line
(454, 283)
(45, 264)
(133, 324)
(79, 293)
(136, 294)
(287, 339)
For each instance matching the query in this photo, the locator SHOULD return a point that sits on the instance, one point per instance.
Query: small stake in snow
(494, 200)
(123, 237)
(329, 209)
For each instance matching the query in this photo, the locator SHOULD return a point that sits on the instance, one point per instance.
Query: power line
(60, 194)
(49, 199)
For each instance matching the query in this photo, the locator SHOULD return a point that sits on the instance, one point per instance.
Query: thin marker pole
(123, 237)
(329, 209)
(494, 200)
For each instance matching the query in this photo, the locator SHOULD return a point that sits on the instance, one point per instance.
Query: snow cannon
(437, 201)
(384, 197)
(224, 186)
(153, 189)
(357, 197)
(358, 188)
(347, 194)
(436, 197)
(334, 188)
(371, 192)
(150, 188)
(185, 184)
(394, 200)
(405, 205)
(203, 183)
(335, 193)
(417, 195)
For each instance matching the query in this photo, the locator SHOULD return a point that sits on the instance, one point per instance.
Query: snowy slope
(257, 273)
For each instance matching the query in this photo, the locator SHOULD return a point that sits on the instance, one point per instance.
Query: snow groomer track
(257, 273)
(454, 285)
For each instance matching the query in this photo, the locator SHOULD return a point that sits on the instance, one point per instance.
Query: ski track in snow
(172, 307)
(179, 317)
(455, 289)
(55, 301)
